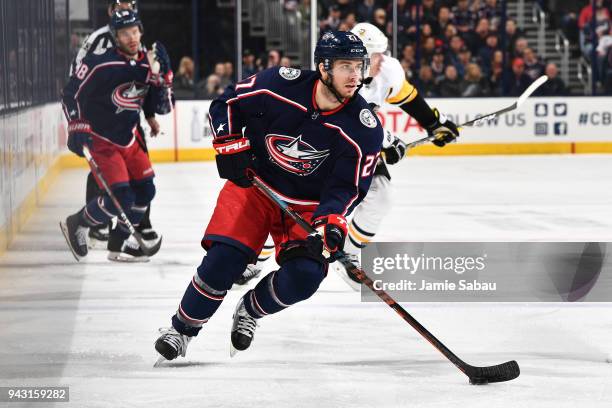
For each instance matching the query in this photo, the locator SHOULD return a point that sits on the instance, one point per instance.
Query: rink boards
(35, 139)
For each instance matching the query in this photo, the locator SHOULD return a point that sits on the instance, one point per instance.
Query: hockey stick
(482, 119)
(477, 375)
(146, 249)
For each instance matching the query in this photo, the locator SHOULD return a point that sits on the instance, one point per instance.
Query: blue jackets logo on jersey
(294, 155)
(129, 96)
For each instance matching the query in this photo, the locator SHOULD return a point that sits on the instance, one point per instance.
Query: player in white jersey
(387, 84)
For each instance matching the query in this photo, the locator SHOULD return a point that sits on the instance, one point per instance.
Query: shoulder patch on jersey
(289, 73)
(367, 118)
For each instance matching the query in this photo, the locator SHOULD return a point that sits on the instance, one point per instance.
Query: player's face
(347, 75)
(375, 63)
(128, 40)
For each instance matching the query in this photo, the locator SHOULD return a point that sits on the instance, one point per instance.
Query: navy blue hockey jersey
(307, 156)
(109, 91)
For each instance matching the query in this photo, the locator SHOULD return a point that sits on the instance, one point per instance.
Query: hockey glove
(332, 230)
(234, 158)
(79, 135)
(395, 152)
(161, 70)
(443, 130)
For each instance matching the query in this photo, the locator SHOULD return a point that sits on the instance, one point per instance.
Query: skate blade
(340, 271)
(64, 229)
(97, 244)
(160, 360)
(233, 350)
(117, 257)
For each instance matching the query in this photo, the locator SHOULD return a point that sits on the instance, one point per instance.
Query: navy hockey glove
(332, 230)
(234, 158)
(161, 70)
(443, 129)
(79, 135)
(395, 152)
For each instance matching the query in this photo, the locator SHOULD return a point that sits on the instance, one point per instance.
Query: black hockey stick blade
(146, 249)
(498, 373)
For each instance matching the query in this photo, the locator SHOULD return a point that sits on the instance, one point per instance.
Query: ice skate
(250, 273)
(76, 235)
(345, 275)
(171, 344)
(98, 238)
(243, 329)
(127, 250)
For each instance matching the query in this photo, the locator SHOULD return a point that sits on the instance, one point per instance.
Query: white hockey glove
(395, 152)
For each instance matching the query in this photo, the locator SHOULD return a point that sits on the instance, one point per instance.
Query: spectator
(533, 68)
(520, 80)
(183, 81)
(604, 46)
(437, 66)
(429, 12)
(274, 58)
(452, 56)
(350, 21)
(220, 73)
(346, 7)
(285, 62)
(512, 34)
(520, 46)
(211, 87)
(478, 38)
(425, 82)
(491, 12)
(463, 17)
(497, 70)
(380, 19)
(473, 82)
(365, 10)
(332, 21)
(428, 48)
(229, 72)
(408, 55)
(449, 32)
(586, 14)
(248, 64)
(465, 58)
(444, 20)
(602, 25)
(555, 85)
(451, 85)
(485, 54)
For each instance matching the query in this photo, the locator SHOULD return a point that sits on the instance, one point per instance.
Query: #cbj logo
(294, 155)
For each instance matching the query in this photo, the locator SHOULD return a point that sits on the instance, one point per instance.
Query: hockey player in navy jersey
(97, 43)
(312, 139)
(102, 102)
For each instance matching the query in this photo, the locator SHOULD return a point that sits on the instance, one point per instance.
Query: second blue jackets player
(313, 140)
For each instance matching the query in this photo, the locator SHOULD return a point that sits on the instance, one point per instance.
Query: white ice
(91, 326)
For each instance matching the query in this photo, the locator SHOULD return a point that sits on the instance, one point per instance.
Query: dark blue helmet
(335, 45)
(116, 2)
(123, 19)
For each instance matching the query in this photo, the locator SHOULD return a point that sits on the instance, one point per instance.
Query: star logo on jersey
(129, 96)
(294, 155)
(220, 128)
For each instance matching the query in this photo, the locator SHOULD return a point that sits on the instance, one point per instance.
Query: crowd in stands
(579, 26)
(457, 53)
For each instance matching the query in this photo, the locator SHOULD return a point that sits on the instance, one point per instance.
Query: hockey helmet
(373, 39)
(123, 19)
(117, 2)
(334, 45)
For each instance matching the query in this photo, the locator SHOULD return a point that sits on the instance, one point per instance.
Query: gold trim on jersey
(406, 94)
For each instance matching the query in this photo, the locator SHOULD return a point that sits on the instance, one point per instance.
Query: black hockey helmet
(123, 19)
(334, 45)
(116, 2)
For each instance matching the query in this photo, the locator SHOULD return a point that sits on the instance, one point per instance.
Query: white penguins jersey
(390, 86)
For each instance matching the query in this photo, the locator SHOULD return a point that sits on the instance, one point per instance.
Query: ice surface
(91, 326)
